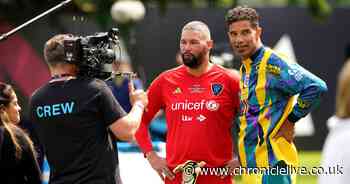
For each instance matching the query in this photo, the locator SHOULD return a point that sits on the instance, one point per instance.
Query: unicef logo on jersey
(212, 105)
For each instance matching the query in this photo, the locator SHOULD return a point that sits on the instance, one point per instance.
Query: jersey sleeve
(293, 80)
(155, 100)
(110, 108)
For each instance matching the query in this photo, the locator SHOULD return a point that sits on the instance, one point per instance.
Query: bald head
(200, 27)
(195, 44)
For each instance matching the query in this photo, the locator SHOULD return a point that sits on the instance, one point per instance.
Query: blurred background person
(335, 155)
(119, 84)
(18, 164)
(178, 58)
(120, 90)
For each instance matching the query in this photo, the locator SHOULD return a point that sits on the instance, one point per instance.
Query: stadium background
(319, 47)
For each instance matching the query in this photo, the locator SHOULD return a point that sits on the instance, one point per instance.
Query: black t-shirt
(72, 123)
(23, 170)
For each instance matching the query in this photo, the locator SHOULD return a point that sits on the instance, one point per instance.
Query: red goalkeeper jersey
(199, 114)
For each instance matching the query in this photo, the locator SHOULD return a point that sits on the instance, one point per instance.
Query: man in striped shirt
(268, 111)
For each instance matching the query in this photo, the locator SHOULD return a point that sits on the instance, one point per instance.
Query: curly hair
(242, 13)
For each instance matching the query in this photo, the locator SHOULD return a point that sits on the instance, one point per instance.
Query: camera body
(93, 54)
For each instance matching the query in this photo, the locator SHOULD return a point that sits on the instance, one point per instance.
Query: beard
(192, 62)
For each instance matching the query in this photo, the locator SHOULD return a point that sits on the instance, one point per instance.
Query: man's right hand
(159, 165)
(137, 95)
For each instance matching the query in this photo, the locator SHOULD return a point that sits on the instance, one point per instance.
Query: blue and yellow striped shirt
(269, 85)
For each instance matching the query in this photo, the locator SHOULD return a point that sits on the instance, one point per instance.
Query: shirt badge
(246, 81)
(216, 89)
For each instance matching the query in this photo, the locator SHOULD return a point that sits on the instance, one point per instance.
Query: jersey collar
(256, 57)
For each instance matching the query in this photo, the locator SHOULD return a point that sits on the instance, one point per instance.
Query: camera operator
(74, 116)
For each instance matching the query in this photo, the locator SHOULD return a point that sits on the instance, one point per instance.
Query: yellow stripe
(242, 119)
(283, 149)
(261, 95)
(241, 136)
(261, 153)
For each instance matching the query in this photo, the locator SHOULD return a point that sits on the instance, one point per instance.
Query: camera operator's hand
(124, 128)
(138, 95)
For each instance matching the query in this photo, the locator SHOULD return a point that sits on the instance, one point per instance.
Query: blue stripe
(250, 142)
(271, 154)
(251, 132)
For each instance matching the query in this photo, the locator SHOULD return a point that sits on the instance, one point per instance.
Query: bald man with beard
(200, 101)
